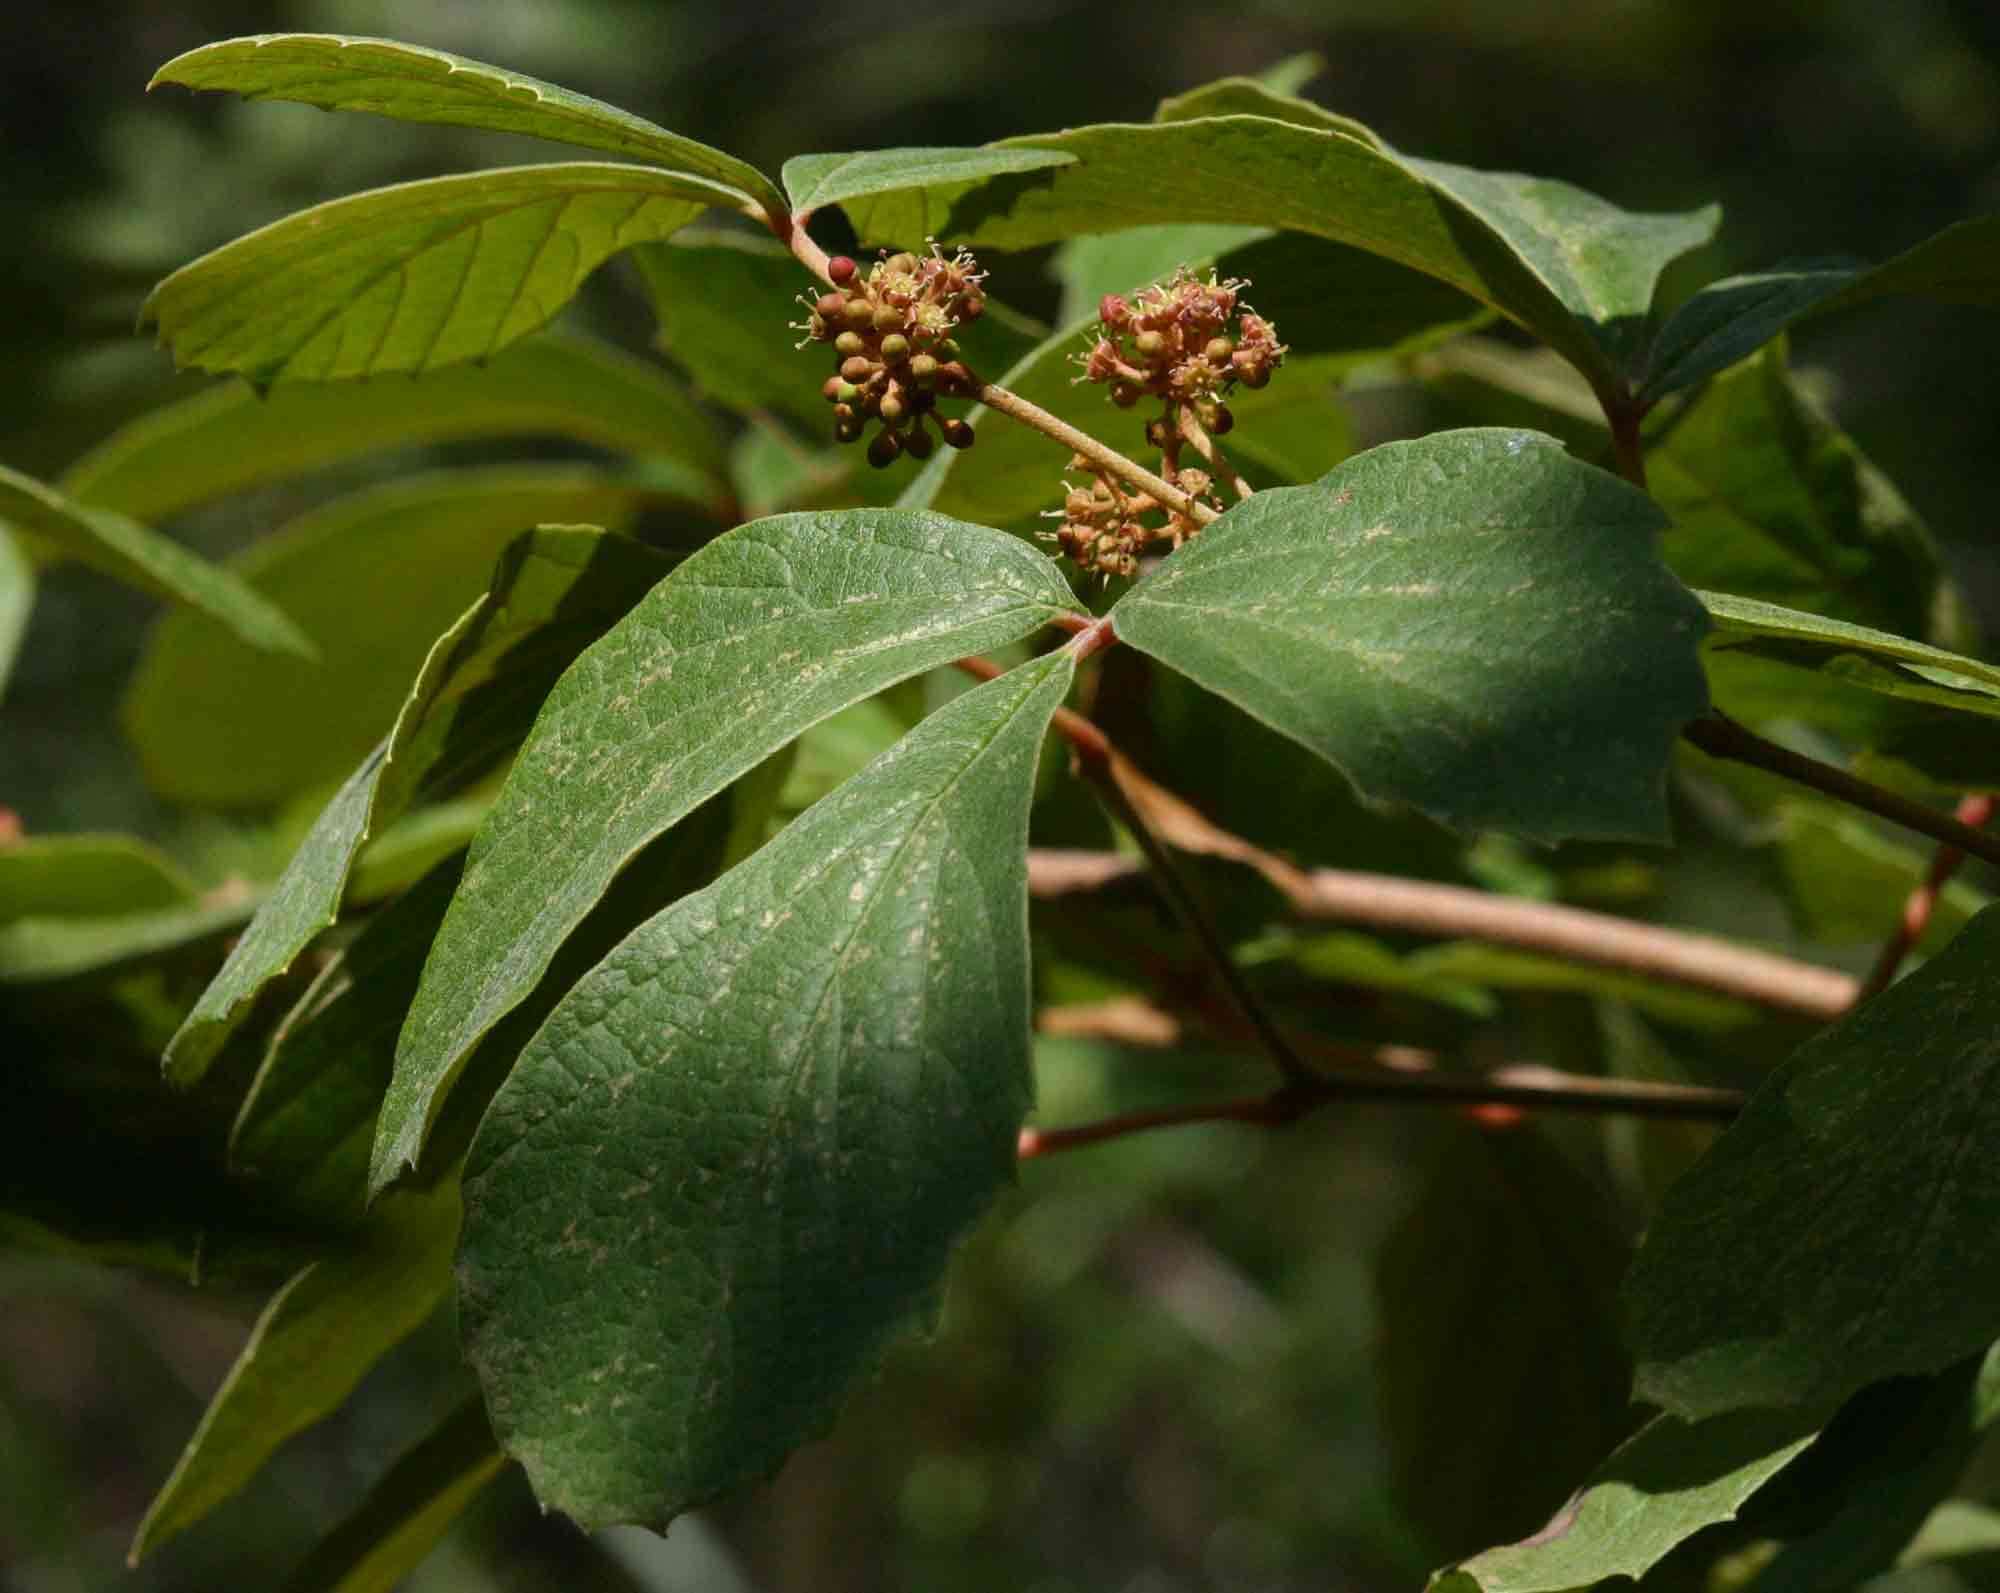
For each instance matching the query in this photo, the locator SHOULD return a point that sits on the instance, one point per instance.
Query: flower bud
(891, 408)
(883, 451)
(847, 429)
(858, 313)
(1221, 422)
(1151, 345)
(902, 264)
(849, 344)
(830, 306)
(918, 443)
(895, 348)
(832, 390)
(956, 432)
(1112, 310)
(840, 269)
(1218, 351)
(858, 368)
(923, 367)
(1124, 394)
(888, 318)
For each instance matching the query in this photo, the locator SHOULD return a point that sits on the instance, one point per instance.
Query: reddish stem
(1973, 811)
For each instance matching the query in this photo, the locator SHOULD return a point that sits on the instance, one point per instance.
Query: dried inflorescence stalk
(891, 330)
(1186, 342)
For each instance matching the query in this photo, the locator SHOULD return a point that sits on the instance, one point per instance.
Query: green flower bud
(895, 348)
(923, 367)
(848, 344)
(1151, 345)
(859, 313)
(888, 318)
(1218, 351)
(902, 264)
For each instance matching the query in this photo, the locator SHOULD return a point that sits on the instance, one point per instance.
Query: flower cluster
(1101, 526)
(1173, 340)
(891, 331)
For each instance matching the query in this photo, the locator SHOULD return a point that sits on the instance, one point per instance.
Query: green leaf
(1856, 654)
(1770, 500)
(553, 593)
(1870, 1480)
(413, 84)
(1601, 262)
(1335, 308)
(1488, 1431)
(1668, 1482)
(761, 634)
(52, 527)
(1728, 319)
(815, 181)
(414, 277)
(1474, 624)
(407, 1511)
(1249, 96)
(1841, 1230)
(1569, 267)
(227, 438)
(735, 1160)
(1734, 317)
(372, 579)
(17, 601)
(72, 876)
(303, 1133)
(325, 1328)
(41, 950)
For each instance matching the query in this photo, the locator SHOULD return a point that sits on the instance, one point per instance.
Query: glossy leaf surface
(1841, 1230)
(1474, 624)
(411, 278)
(817, 180)
(414, 84)
(761, 634)
(734, 1161)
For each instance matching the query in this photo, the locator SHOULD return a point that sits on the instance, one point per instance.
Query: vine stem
(1539, 1089)
(1973, 810)
(1205, 445)
(1133, 474)
(1722, 737)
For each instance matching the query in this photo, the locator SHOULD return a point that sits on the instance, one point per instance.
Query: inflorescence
(1172, 341)
(892, 331)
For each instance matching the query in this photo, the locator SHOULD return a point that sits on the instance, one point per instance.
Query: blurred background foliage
(1216, 1359)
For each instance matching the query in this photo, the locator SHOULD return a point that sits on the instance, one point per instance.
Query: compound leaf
(1474, 624)
(734, 1161)
(756, 637)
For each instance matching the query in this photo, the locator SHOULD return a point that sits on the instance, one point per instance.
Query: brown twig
(1973, 810)
(1535, 1089)
(1722, 737)
(1014, 406)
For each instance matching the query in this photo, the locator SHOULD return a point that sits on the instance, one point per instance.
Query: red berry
(840, 269)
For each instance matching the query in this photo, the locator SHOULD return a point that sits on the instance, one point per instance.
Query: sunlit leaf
(17, 599)
(734, 1161)
(1855, 654)
(817, 180)
(413, 84)
(1668, 1482)
(761, 634)
(411, 278)
(1474, 624)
